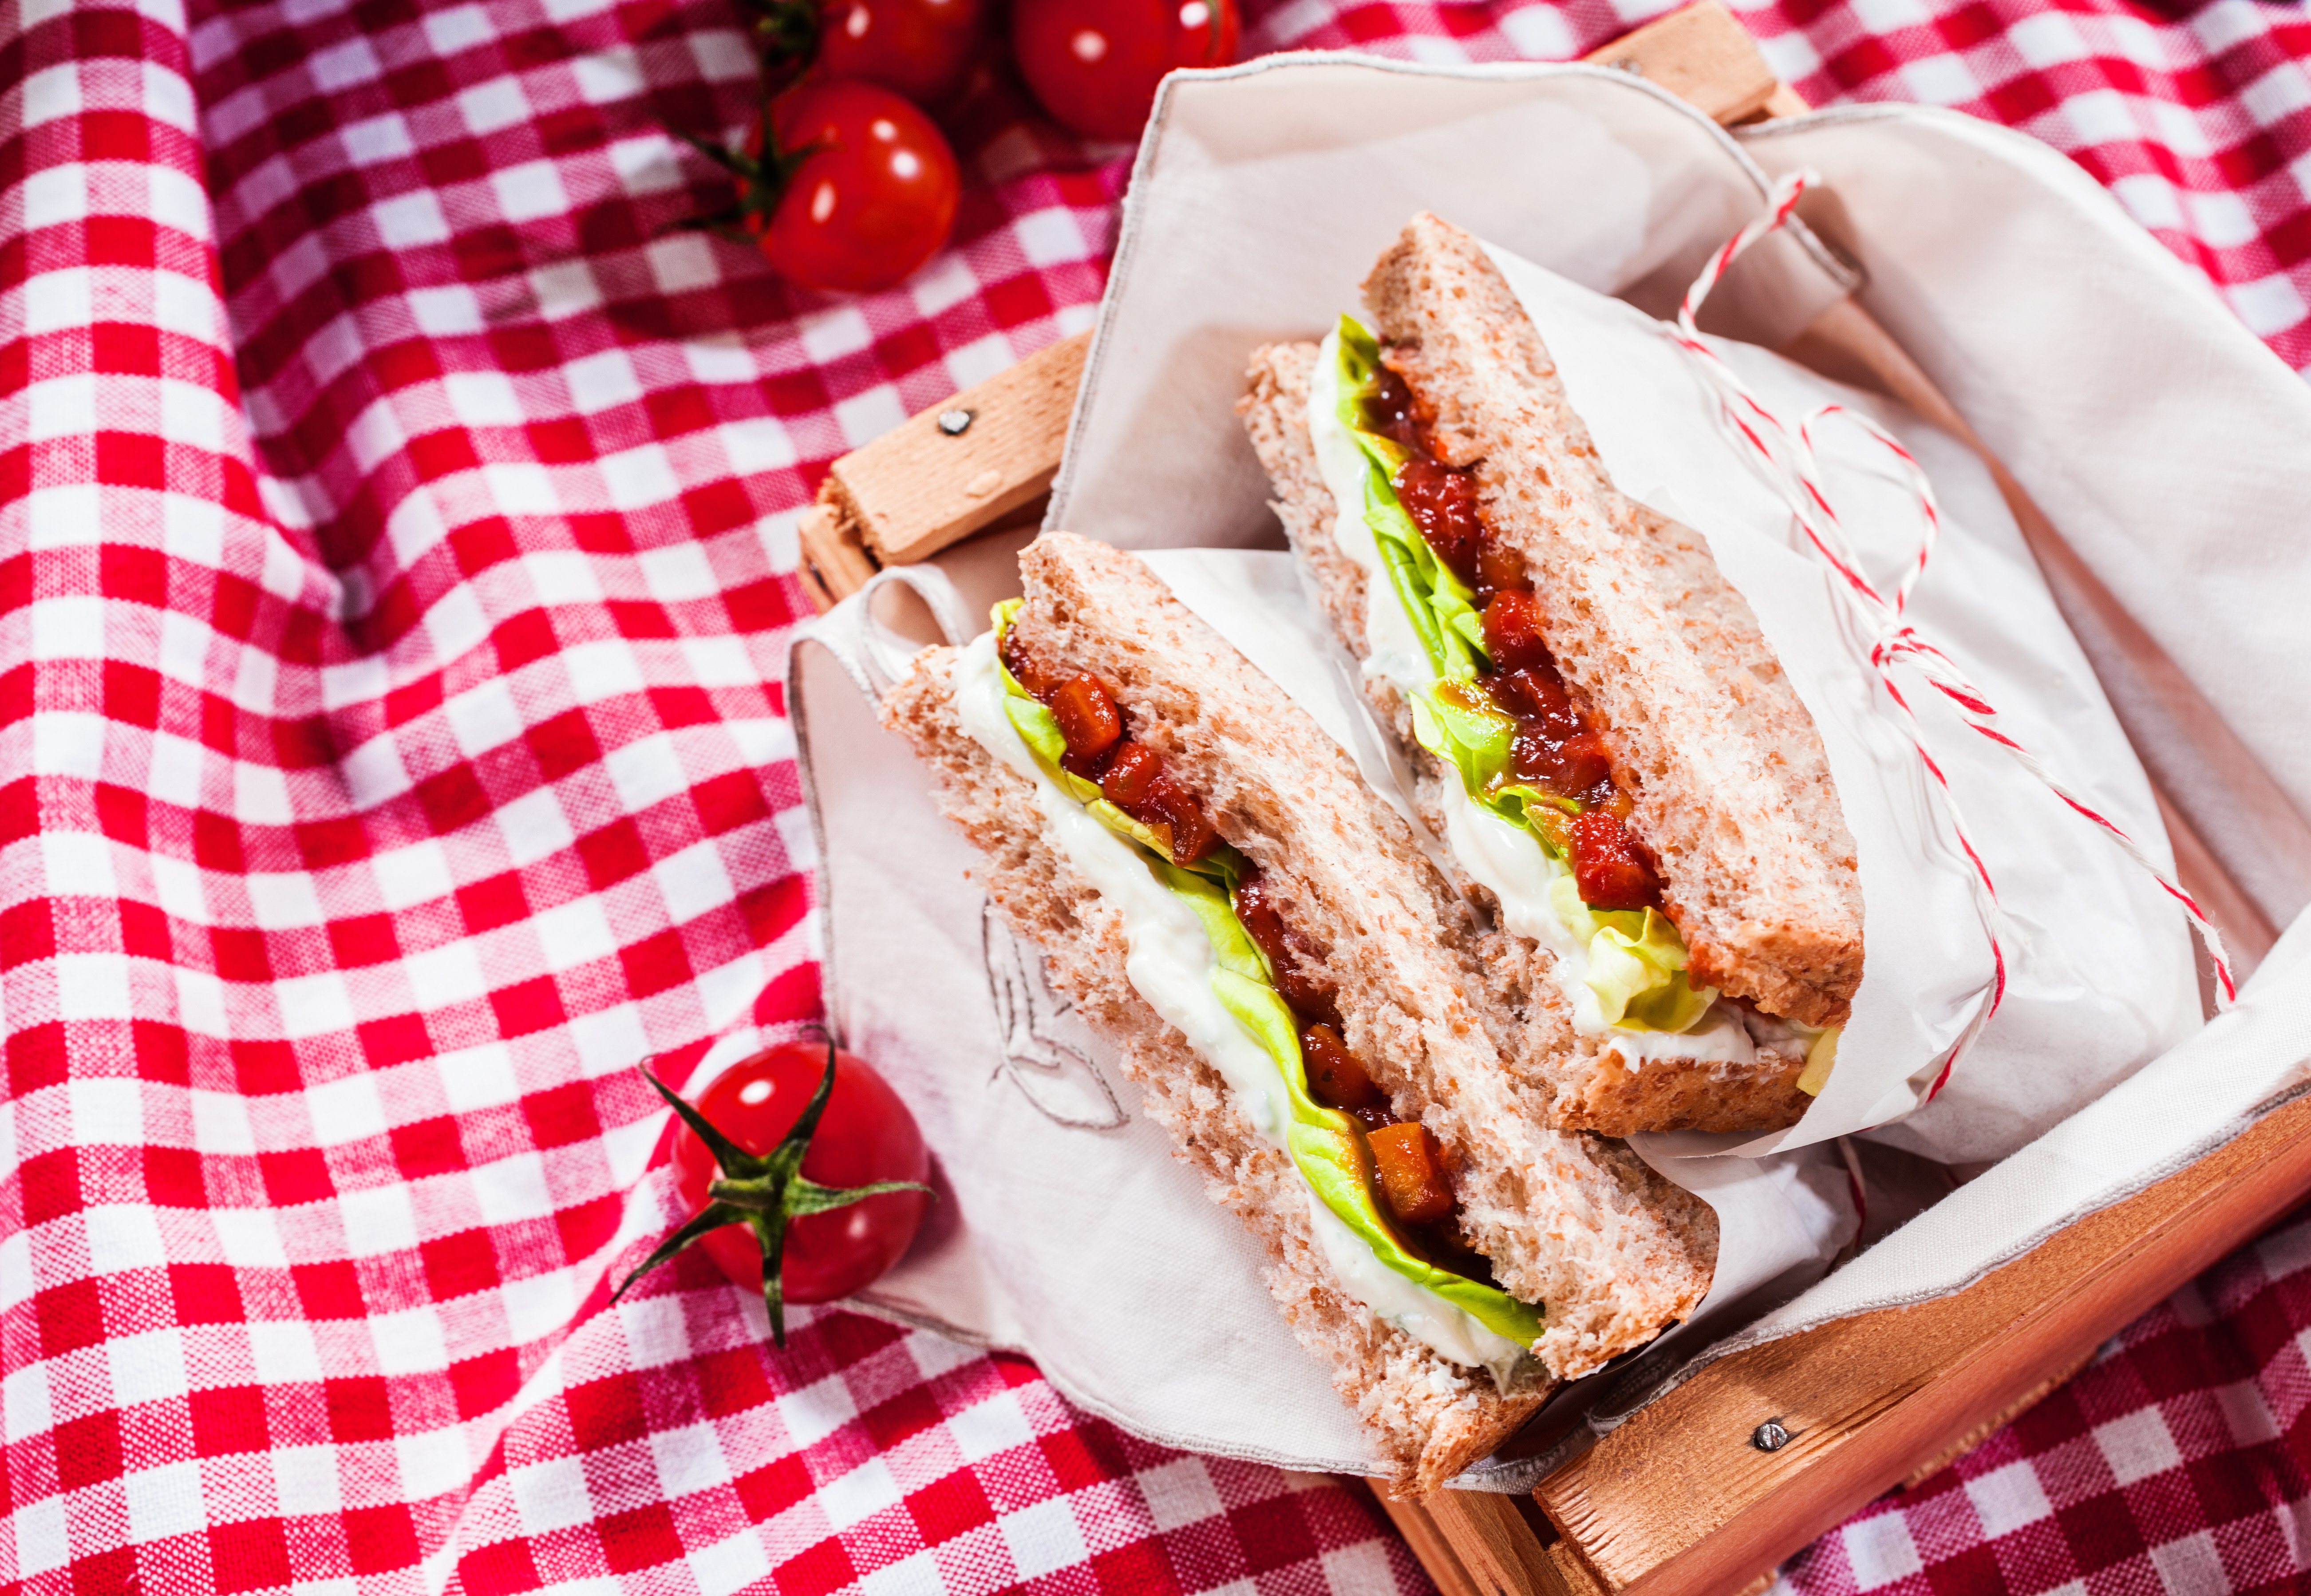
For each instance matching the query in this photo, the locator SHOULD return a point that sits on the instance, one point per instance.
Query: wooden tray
(1679, 1499)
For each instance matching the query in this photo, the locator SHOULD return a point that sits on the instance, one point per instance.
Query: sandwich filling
(1210, 953)
(1537, 815)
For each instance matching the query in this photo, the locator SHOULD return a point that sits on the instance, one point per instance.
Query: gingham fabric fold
(396, 538)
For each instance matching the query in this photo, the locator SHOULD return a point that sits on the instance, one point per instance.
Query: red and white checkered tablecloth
(397, 536)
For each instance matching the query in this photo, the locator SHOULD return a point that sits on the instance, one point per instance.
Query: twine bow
(1785, 457)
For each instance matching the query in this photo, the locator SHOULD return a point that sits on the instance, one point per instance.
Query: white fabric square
(248, 1238)
(459, 28)
(738, 1563)
(409, 219)
(282, 899)
(482, 398)
(646, 164)
(373, 772)
(107, 1111)
(600, 381)
(2137, 1447)
(534, 827)
(484, 718)
(1880, 1550)
(646, 773)
(343, 65)
(376, 138)
(147, 1368)
(55, 195)
(511, 1191)
(41, 1540)
(856, 1496)
(450, 974)
(378, 1221)
(574, 934)
(689, 1460)
(445, 311)
(122, 1238)
(1043, 1539)
(93, 986)
(694, 882)
(985, 1428)
(867, 416)
(816, 1411)
(50, 93)
(680, 264)
(2190, 1565)
(409, 1342)
(432, 1462)
(490, 105)
(551, 1496)
(2006, 1499)
(283, 1350)
(305, 1480)
(1178, 1493)
(529, 191)
(314, 1005)
(608, 76)
(638, 478)
(221, 1123)
(346, 1109)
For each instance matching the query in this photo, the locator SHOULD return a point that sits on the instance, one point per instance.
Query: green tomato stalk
(763, 1193)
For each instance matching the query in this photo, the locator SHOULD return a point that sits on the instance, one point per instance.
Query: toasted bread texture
(1732, 787)
(1574, 1222)
(1582, 1084)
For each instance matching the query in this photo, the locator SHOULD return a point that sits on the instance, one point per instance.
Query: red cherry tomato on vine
(924, 48)
(1095, 64)
(869, 193)
(866, 1136)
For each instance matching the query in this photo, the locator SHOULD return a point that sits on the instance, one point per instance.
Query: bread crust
(1585, 1087)
(1576, 1223)
(1732, 787)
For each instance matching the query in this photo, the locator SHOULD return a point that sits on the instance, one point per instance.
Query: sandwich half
(1299, 995)
(1607, 745)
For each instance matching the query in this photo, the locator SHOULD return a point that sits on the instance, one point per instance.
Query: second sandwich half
(1307, 1005)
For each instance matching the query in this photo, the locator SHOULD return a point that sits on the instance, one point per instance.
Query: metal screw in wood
(956, 421)
(1770, 1436)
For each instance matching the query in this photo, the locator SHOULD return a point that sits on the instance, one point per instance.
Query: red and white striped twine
(1787, 458)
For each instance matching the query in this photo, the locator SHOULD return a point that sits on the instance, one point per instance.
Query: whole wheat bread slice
(1573, 1222)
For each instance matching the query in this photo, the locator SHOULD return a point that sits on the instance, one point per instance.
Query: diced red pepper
(1171, 807)
(1087, 715)
(1298, 963)
(1513, 632)
(1411, 1169)
(1024, 668)
(1443, 503)
(1335, 1078)
(1609, 868)
(1131, 770)
(1500, 567)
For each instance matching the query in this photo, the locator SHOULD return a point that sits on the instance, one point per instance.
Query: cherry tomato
(866, 1135)
(1095, 64)
(871, 194)
(924, 48)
